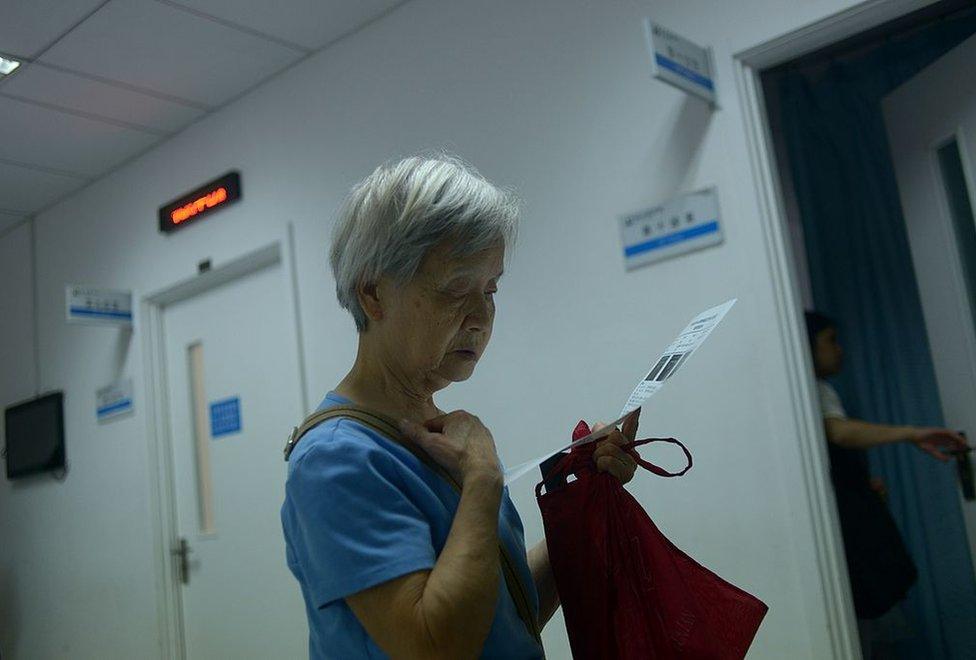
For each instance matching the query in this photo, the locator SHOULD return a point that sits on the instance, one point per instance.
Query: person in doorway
(391, 559)
(881, 570)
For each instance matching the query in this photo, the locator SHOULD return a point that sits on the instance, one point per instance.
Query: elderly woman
(402, 536)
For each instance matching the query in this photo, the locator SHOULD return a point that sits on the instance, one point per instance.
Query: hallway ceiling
(103, 81)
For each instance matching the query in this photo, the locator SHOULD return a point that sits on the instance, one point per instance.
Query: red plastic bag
(626, 591)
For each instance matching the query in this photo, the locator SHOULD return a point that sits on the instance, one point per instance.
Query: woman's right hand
(937, 442)
(458, 442)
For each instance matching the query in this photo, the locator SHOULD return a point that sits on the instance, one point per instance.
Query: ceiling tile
(39, 82)
(174, 52)
(308, 23)
(28, 26)
(29, 190)
(39, 136)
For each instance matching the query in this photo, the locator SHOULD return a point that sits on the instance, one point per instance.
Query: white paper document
(665, 367)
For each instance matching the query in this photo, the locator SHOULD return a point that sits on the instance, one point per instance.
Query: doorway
(227, 388)
(852, 254)
(931, 122)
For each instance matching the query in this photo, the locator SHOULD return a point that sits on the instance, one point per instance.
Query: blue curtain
(861, 274)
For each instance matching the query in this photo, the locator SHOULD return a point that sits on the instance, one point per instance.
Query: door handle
(183, 552)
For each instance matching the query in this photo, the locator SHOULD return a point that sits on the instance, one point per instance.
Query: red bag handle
(580, 457)
(647, 465)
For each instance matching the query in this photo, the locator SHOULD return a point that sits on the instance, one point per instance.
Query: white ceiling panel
(107, 79)
(153, 45)
(308, 23)
(28, 190)
(39, 136)
(27, 26)
(40, 83)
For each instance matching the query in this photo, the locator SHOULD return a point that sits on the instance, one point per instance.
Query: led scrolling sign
(200, 202)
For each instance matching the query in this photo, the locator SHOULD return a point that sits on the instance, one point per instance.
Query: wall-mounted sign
(225, 416)
(682, 224)
(201, 202)
(114, 400)
(85, 304)
(679, 62)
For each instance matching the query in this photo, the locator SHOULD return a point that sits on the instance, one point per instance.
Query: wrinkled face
(438, 324)
(828, 356)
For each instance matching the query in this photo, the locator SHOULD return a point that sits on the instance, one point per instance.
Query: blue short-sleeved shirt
(361, 510)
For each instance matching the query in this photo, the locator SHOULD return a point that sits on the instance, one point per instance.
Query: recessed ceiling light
(7, 65)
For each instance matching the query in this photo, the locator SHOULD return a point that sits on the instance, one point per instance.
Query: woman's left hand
(608, 455)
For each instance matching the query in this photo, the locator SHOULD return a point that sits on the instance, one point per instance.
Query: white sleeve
(830, 403)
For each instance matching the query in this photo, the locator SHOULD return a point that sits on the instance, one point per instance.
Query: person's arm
(446, 612)
(545, 583)
(858, 434)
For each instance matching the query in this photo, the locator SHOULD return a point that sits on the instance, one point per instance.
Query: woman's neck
(374, 384)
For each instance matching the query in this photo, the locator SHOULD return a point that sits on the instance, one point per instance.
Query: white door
(931, 123)
(233, 390)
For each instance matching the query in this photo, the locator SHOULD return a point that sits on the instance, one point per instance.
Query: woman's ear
(369, 300)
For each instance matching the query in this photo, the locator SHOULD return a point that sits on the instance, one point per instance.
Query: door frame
(954, 262)
(748, 66)
(169, 605)
(950, 237)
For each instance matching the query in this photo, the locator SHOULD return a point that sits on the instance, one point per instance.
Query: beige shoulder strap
(388, 427)
(383, 424)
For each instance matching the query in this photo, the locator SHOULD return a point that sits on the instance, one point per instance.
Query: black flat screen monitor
(34, 432)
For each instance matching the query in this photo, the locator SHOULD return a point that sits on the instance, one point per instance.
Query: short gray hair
(396, 214)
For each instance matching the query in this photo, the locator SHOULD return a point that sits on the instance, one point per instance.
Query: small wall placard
(225, 417)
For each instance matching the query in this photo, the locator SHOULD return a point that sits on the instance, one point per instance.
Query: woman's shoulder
(338, 454)
(339, 437)
(342, 456)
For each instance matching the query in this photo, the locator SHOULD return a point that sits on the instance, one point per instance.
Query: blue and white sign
(679, 62)
(680, 225)
(85, 304)
(114, 400)
(225, 417)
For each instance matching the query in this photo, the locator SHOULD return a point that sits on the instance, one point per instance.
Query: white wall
(16, 382)
(552, 97)
(17, 303)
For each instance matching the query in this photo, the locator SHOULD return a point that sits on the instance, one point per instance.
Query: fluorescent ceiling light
(7, 65)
